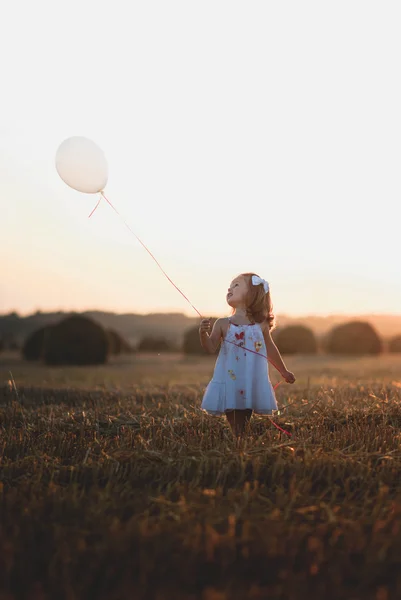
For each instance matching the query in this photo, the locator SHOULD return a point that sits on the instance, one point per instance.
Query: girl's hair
(259, 307)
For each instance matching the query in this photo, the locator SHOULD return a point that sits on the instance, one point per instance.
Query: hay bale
(34, 344)
(117, 344)
(354, 338)
(394, 344)
(295, 339)
(191, 343)
(76, 340)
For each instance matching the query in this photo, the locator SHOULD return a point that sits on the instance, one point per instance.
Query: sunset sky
(262, 136)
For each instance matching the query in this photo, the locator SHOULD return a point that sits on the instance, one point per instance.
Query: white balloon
(82, 165)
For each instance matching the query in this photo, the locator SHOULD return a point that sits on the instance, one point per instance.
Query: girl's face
(237, 292)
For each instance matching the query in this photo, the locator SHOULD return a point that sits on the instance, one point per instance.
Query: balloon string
(149, 252)
(102, 194)
(98, 202)
(245, 349)
(280, 428)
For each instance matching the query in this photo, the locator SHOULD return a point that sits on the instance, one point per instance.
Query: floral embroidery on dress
(258, 346)
(240, 336)
(232, 374)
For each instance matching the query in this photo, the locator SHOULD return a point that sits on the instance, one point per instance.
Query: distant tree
(33, 348)
(395, 344)
(117, 344)
(155, 344)
(76, 340)
(295, 339)
(191, 343)
(355, 337)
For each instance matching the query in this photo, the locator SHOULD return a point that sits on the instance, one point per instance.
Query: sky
(240, 136)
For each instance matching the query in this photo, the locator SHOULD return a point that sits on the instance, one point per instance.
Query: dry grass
(114, 485)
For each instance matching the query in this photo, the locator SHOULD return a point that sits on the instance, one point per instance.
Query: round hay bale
(76, 340)
(394, 344)
(354, 338)
(191, 342)
(33, 348)
(295, 339)
(117, 344)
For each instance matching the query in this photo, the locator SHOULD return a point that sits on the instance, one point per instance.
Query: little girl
(240, 383)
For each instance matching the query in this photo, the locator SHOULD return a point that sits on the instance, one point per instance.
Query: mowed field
(114, 484)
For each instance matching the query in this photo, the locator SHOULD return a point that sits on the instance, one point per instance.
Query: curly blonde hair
(259, 306)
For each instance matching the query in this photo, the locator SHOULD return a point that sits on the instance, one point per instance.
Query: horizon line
(183, 314)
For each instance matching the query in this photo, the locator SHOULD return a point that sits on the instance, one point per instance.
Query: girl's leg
(238, 420)
(248, 415)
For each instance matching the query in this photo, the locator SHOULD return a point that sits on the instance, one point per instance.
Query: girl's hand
(204, 326)
(289, 377)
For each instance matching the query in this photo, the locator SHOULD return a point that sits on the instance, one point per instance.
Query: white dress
(241, 379)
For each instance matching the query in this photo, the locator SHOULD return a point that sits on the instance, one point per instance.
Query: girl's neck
(240, 313)
(241, 316)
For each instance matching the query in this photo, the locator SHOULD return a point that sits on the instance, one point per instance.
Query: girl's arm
(210, 342)
(274, 354)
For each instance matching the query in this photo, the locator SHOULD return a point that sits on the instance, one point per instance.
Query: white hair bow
(256, 280)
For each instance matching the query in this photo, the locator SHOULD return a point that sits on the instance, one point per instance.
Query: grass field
(114, 484)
